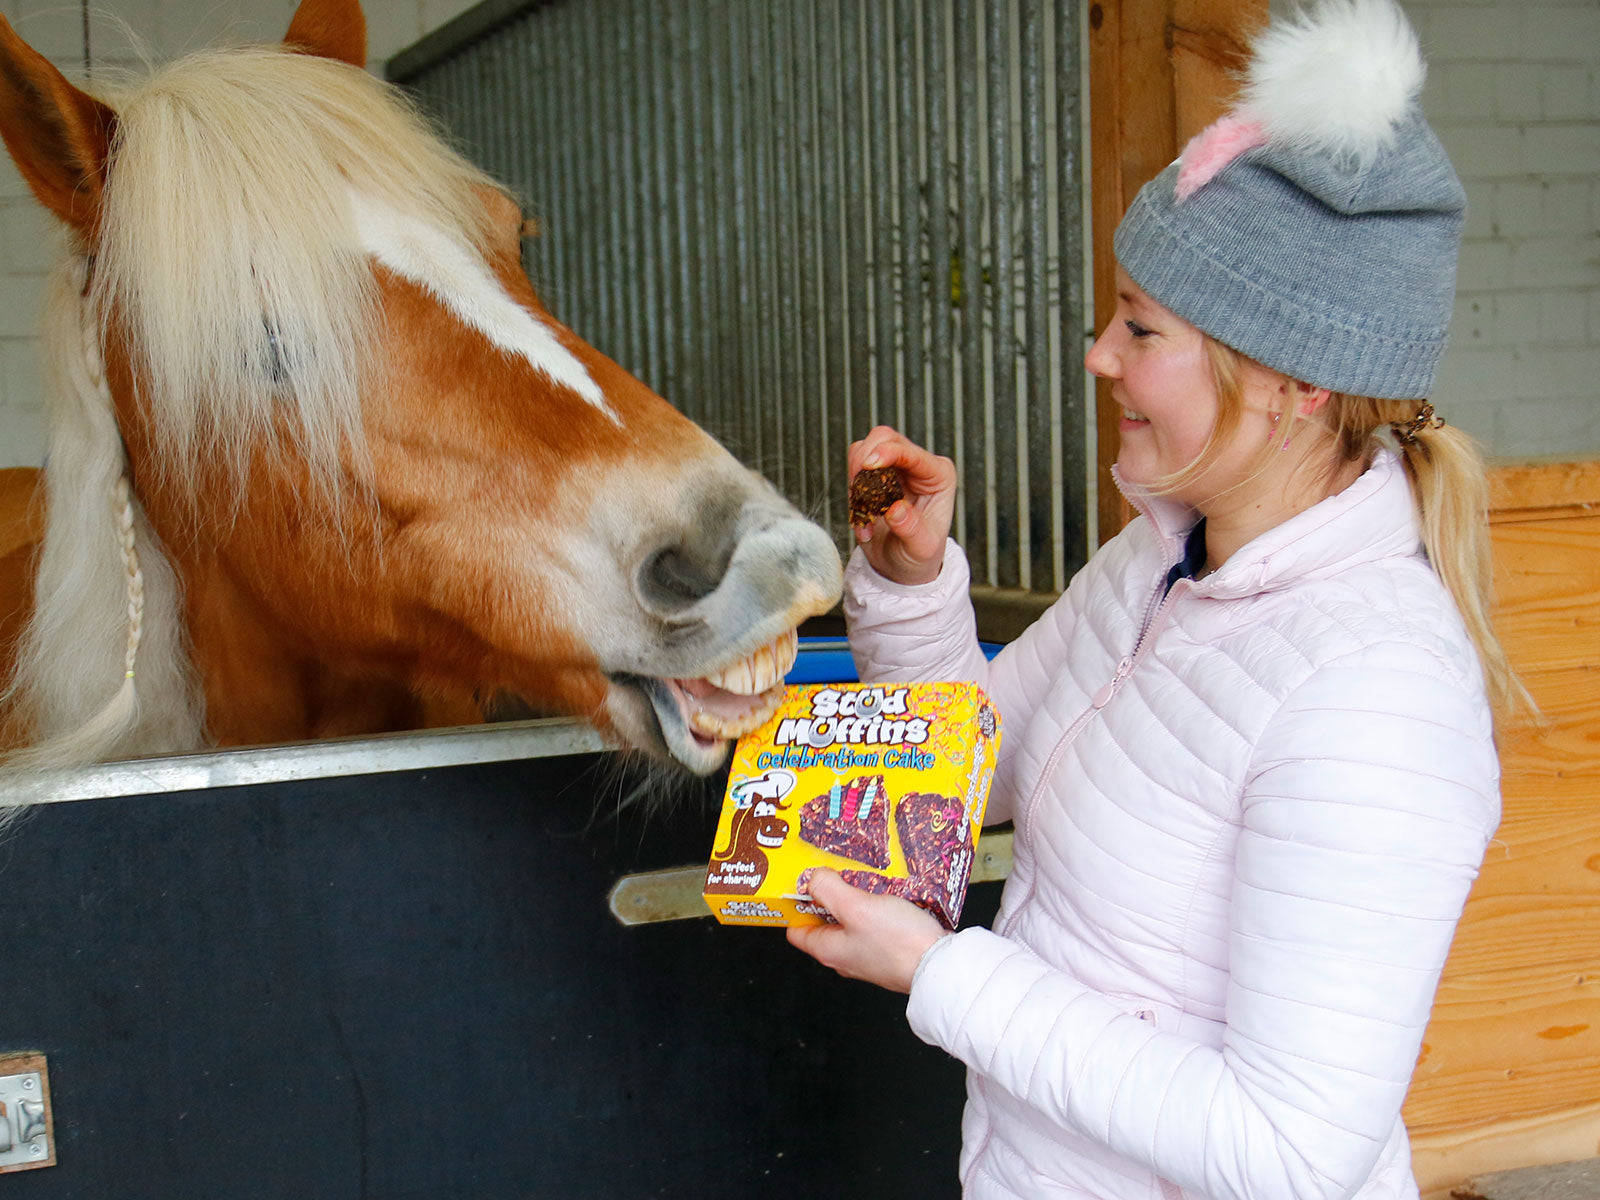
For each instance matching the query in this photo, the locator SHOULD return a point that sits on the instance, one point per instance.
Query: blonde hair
(1448, 484)
(1452, 497)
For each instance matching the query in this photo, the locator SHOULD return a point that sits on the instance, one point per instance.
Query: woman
(1249, 753)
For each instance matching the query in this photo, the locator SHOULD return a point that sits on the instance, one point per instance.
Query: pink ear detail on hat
(1214, 148)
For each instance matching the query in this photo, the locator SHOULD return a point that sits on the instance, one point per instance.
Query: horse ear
(333, 29)
(58, 136)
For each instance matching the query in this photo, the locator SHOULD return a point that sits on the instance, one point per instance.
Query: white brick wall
(166, 28)
(26, 238)
(1514, 92)
(1513, 89)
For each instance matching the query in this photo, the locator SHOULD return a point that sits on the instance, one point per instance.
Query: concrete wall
(1514, 90)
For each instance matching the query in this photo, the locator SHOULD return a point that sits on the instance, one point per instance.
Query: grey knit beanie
(1315, 228)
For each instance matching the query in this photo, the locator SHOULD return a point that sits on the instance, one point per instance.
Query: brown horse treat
(872, 492)
(933, 832)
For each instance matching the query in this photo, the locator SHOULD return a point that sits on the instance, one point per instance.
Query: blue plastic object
(827, 660)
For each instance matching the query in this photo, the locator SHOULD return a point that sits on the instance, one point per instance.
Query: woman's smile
(1165, 389)
(1162, 382)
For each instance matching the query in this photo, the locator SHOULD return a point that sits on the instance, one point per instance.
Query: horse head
(321, 461)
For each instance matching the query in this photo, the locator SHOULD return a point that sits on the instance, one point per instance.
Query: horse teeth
(759, 676)
(760, 670)
(713, 725)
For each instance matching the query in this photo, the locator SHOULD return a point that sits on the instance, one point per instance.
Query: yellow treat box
(884, 783)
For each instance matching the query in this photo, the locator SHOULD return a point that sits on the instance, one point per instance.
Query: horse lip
(658, 694)
(695, 716)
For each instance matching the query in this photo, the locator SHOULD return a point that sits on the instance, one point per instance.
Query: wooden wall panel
(1510, 1070)
(1549, 603)
(1458, 1155)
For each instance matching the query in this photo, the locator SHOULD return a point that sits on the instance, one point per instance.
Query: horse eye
(268, 359)
(277, 369)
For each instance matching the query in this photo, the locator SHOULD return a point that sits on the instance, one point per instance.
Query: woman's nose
(1100, 360)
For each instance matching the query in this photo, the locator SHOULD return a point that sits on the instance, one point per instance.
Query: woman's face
(1160, 373)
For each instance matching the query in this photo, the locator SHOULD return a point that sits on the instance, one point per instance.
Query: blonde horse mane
(230, 263)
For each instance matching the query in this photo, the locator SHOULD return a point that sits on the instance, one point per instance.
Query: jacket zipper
(1154, 619)
(1158, 604)
(1156, 611)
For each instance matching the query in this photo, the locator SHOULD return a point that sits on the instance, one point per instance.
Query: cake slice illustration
(936, 843)
(851, 820)
(934, 833)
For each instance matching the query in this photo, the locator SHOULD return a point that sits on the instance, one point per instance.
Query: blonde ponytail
(1447, 482)
(1452, 496)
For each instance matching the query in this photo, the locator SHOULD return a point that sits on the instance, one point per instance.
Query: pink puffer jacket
(1247, 819)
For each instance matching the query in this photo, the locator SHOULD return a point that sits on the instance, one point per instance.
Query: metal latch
(675, 894)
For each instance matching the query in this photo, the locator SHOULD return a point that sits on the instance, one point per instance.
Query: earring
(1286, 430)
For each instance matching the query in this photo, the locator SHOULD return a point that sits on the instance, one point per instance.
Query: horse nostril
(675, 577)
(690, 561)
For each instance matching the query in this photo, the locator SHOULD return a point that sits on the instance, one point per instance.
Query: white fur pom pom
(1338, 77)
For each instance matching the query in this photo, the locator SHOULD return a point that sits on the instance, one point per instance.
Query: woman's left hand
(880, 939)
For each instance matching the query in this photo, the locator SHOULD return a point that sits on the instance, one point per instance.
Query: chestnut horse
(321, 462)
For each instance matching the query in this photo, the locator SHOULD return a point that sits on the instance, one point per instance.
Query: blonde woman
(1250, 752)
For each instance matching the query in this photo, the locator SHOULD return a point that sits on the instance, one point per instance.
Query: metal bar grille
(798, 218)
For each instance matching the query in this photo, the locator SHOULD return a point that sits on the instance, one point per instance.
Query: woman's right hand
(906, 544)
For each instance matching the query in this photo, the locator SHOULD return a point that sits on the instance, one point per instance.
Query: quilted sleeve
(910, 634)
(928, 632)
(1373, 795)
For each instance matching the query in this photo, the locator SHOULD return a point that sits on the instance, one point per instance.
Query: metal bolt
(27, 1084)
(36, 1151)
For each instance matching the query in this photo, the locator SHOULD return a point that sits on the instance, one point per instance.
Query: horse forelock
(232, 263)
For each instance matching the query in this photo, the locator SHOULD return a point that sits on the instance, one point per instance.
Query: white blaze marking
(459, 280)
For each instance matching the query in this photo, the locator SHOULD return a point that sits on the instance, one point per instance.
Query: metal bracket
(27, 1135)
(674, 894)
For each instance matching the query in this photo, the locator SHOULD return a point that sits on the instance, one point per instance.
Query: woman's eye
(1137, 329)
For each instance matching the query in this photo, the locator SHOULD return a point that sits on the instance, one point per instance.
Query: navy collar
(1194, 557)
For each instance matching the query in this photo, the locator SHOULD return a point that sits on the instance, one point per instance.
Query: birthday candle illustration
(835, 799)
(852, 797)
(867, 795)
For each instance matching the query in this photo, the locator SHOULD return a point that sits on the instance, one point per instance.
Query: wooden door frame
(1159, 72)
